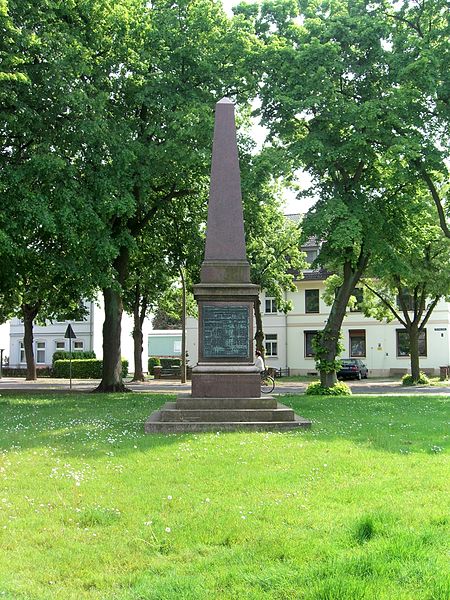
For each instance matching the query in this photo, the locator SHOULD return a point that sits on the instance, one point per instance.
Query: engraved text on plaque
(226, 331)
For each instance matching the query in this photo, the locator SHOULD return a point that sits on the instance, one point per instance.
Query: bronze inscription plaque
(226, 331)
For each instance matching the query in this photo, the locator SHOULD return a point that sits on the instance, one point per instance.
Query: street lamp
(1, 361)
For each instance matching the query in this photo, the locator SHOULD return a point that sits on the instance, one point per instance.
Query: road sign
(70, 334)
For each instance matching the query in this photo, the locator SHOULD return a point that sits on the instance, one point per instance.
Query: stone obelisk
(226, 385)
(225, 295)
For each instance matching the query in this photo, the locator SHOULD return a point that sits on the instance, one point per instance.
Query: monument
(226, 385)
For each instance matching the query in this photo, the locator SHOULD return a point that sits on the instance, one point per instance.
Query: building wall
(165, 342)
(380, 338)
(89, 334)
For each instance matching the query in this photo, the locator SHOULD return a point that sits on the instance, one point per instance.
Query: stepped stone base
(223, 414)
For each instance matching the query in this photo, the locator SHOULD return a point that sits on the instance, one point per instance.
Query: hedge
(153, 361)
(166, 363)
(76, 355)
(22, 372)
(90, 368)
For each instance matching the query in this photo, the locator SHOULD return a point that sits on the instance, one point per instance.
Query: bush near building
(90, 368)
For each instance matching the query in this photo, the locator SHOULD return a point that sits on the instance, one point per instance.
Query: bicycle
(267, 383)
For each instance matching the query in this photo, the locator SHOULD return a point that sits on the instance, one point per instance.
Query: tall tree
(337, 99)
(181, 58)
(273, 241)
(420, 98)
(46, 219)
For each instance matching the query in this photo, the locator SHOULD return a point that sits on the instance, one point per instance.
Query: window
(271, 343)
(22, 353)
(312, 301)
(408, 299)
(311, 255)
(403, 343)
(358, 294)
(270, 305)
(309, 336)
(177, 347)
(40, 353)
(60, 345)
(357, 342)
(78, 345)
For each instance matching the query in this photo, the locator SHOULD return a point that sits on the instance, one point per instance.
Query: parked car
(352, 368)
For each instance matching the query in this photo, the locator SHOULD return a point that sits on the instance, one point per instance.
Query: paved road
(369, 386)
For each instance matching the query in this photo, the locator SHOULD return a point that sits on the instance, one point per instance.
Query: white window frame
(270, 303)
(57, 349)
(74, 345)
(40, 346)
(271, 344)
(177, 346)
(22, 359)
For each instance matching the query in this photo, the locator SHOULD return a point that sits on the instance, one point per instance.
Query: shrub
(88, 368)
(153, 361)
(166, 363)
(408, 380)
(76, 354)
(22, 372)
(338, 389)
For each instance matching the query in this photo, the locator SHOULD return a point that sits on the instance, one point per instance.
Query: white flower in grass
(169, 497)
(168, 530)
(148, 523)
(207, 500)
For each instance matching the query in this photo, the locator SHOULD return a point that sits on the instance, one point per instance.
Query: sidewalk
(171, 386)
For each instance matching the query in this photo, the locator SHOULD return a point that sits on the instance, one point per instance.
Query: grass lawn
(90, 507)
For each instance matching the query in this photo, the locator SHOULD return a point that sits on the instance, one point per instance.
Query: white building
(381, 346)
(288, 337)
(50, 338)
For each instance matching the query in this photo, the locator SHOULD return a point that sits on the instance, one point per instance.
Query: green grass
(356, 508)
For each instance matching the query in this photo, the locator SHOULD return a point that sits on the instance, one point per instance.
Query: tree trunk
(259, 333)
(138, 338)
(183, 326)
(413, 334)
(112, 327)
(331, 332)
(29, 314)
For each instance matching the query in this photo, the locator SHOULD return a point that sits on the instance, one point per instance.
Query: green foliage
(338, 389)
(321, 350)
(20, 372)
(89, 368)
(76, 355)
(166, 363)
(409, 380)
(153, 361)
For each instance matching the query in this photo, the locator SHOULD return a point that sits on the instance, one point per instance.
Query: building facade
(288, 337)
(89, 336)
(381, 346)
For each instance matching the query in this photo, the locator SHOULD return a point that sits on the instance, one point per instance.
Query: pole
(70, 363)
(1, 362)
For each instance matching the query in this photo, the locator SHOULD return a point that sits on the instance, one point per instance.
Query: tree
(409, 278)
(336, 100)
(181, 57)
(420, 54)
(47, 226)
(149, 276)
(273, 241)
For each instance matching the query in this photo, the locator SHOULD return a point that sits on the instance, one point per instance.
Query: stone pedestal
(226, 385)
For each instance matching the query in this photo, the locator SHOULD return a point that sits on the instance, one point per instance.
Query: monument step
(155, 425)
(218, 415)
(190, 403)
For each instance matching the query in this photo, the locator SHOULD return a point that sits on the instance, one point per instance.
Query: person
(259, 362)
